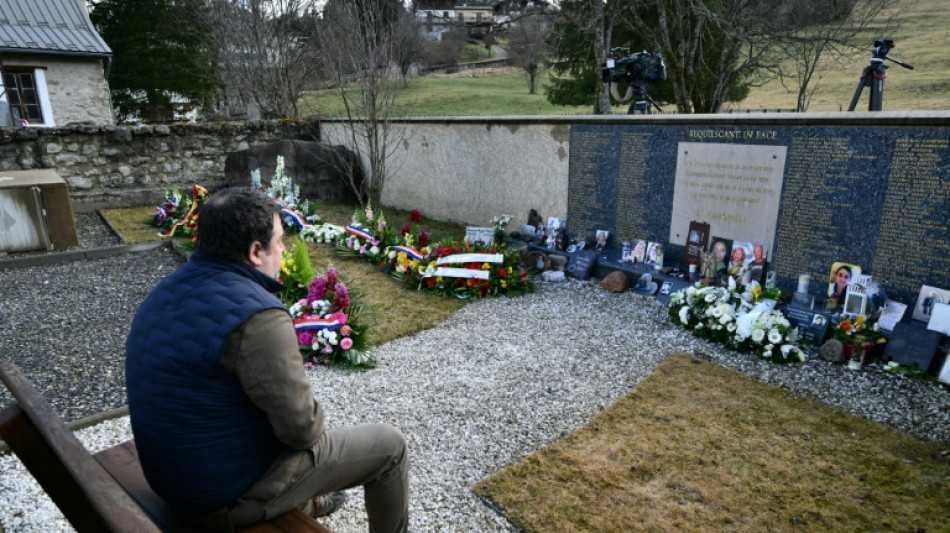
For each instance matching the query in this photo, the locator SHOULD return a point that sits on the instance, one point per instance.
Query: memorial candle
(803, 281)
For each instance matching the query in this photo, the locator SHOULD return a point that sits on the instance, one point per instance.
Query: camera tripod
(873, 75)
(640, 101)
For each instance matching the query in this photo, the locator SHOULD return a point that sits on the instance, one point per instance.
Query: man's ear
(254, 254)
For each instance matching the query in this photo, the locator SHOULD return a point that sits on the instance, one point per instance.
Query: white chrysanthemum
(730, 327)
(296, 310)
(374, 250)
(775, 336)
(716, 312)
(725, 319)
(710, 297)
(758, 335)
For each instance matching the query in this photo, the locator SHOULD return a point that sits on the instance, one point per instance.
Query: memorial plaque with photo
(925, 302)
(475, 234)
(696, 241)
(670, 286)
(581, 263)
(812, 326)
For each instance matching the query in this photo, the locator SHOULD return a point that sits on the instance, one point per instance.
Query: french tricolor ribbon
(410, 251)
(362, 233)
(306, 324)
(298, 219)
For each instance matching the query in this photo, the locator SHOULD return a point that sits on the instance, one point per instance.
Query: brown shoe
(325, 504)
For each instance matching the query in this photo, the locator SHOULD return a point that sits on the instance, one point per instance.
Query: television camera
(636, 70)
(873, 75)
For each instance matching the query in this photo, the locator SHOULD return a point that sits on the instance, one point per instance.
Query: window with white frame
(25, 98)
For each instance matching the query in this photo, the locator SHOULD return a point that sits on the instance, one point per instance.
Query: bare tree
(266, 52)
(711, 48)
(360, 47)
(528, 47)
(836, 29)
(409, 45)
(602, 36)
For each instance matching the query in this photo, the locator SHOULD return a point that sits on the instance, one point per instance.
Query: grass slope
(922, 39)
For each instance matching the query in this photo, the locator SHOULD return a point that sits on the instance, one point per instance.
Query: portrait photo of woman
(841, 276)
(737, 263)
(720, 249)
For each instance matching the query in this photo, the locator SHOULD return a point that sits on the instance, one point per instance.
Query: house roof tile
(49, 26)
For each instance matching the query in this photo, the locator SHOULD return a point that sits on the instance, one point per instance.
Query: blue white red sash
(306, 324)
(410, 251)
(297, 218)
(362, 234)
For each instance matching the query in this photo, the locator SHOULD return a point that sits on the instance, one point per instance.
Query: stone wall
(108, 166)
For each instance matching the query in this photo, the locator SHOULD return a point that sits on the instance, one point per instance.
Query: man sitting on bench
(227, 428)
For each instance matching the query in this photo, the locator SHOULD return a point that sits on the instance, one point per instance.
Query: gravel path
(480, 391)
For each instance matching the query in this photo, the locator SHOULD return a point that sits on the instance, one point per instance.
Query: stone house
(54, 65)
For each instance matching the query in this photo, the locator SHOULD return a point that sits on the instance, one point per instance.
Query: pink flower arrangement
(327, 323)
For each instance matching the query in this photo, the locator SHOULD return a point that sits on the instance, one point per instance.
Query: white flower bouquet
(728, 317)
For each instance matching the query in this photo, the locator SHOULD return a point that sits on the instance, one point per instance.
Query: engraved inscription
(914, 243)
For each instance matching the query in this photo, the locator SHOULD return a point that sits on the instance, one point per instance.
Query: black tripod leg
(877, 94)
(857, 94)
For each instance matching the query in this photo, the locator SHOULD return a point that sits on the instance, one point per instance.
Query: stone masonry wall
(107, 166)
(77, 87)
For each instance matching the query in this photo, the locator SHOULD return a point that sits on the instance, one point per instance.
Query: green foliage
(296, 272)
(158, 53)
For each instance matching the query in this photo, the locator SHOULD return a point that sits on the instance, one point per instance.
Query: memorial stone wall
(871, 193)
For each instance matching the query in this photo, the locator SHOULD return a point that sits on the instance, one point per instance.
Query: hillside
(922, 39)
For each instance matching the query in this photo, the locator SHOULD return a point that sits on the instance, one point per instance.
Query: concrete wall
(469, 170)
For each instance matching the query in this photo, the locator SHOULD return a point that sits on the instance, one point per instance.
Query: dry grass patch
(393, 310)
(696, 447)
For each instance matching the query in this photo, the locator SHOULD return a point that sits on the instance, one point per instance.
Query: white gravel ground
(504, 377)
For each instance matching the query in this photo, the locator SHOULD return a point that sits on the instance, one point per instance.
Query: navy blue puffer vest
(201, 441)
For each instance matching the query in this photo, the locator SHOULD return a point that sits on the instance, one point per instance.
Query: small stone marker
(581, 263)
(912, 344)
(616, 281)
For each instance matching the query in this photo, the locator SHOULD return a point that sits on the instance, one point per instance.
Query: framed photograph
(639, 252)
(721, 250)
(755, 263)
(528, 232)
(841, 277)
(666, 287)
(928, 298)
(696, 241)
(600, 239)
(651, 253)
(819, 321)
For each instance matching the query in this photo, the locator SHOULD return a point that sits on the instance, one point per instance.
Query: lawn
(394, 311)
(921, 38)
(696, 447)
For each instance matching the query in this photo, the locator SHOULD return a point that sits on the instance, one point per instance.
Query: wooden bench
(105, 492)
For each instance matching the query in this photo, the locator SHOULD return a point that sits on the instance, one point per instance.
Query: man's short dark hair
(232, 220)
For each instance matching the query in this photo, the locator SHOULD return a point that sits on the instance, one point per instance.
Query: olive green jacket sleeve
(263, 354)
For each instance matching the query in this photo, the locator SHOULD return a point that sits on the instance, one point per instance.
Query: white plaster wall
(467, 172)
